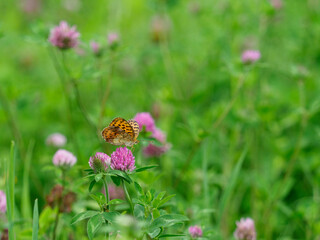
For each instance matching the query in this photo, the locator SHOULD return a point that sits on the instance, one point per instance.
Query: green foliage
(94, 224)
(243, 138)
(83, 215)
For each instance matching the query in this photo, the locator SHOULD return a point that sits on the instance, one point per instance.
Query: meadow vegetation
(226, 96)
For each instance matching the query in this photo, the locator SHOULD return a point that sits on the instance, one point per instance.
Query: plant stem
(64, 83)
(82, 108)
(127, 196)
(56, 222)
(205, 177)
(107, 200)
(77, 94)
(107, 192)
(230, 104)
(59, 206)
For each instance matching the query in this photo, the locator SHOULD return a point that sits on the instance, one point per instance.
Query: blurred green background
(211, 105)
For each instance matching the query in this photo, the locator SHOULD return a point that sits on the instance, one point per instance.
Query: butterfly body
(121, 132)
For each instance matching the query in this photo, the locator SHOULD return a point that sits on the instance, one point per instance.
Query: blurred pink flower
(96, 49)
(160, 28)
(159, 135)
(195, 231)
(155, 151)
(113, 39)
(245, 229)
(156, 110)
(30, 6)
(64, 36)
(71, 5)
(3, 202)
(114, 192)
(144, 119)
(277, 4)
(56, 140)
(250, 56)
(64, 158)
(194, 7)
(80, 51)
(99, 162)
(122, 159)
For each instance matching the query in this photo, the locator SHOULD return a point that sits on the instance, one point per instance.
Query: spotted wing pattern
(123, 124)
(116, 136)
(121, 132)
(135, 127)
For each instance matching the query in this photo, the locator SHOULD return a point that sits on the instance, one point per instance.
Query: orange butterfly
(121, 132)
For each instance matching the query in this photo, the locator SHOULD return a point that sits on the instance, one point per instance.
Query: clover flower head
(195, 231)
(31, 7)
(64, 158)
(144, 119)
(245, 229)
(95, 47)
(122, 159)
(250, 56)
(113, 38)
(155, 151)
(160, 28)
(159, 135)
(277, 4)
(64, 36)
(3, 202)
(100, 162)
(56, 140)
(72, 5)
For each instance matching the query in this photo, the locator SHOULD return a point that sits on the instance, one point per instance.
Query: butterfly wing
(121, 132)
(135, 127)
(116, 136)
(124, 125)
(110, 133)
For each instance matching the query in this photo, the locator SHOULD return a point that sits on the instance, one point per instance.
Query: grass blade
(10, 190)
(230, 188)
(26, 204)
(35, 227)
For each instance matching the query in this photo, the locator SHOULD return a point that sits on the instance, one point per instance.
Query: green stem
(205, 176)
(107, 200)
(64, 83)
(107, 192)
(127, 196)
(77, 94)
(82, 107)
(59, 206)
(230, 104)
